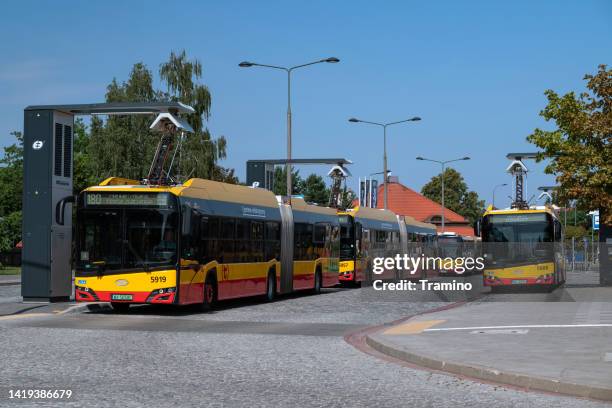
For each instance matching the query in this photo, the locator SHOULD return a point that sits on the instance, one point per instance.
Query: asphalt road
(245, 354)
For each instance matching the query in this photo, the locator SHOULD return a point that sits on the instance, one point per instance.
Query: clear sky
(474, 71)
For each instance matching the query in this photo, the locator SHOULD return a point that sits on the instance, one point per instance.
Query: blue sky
(474, 71)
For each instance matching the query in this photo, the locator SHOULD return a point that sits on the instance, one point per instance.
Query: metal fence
(582, 254)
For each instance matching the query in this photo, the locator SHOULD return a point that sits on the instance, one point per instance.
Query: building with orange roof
(405, 201)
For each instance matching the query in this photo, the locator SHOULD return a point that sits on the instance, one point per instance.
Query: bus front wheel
(210, 293)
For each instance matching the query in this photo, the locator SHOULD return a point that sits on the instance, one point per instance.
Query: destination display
(127, 199)
(517, 218)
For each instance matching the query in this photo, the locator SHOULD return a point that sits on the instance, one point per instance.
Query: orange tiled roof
(405, 201)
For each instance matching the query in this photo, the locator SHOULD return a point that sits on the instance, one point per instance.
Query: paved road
(287, 353)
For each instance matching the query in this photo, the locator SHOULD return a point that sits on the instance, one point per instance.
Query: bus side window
(272, 243)
(257, 244)
(210, 238)
(241, 245)
(227, 254)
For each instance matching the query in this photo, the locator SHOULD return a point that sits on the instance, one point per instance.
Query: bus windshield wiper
(139, 260)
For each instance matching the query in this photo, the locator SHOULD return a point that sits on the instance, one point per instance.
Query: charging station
(47, 191)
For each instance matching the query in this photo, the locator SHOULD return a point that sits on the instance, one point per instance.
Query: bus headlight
(167, 291)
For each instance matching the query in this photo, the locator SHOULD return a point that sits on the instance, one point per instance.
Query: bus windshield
(127, 239)
(347, 237)
(516, 237)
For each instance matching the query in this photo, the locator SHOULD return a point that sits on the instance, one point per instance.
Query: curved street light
(288, 70)
(384, 126)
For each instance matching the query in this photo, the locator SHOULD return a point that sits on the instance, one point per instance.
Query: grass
(10, 270)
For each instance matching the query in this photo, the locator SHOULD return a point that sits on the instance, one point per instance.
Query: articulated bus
(198, 243)
(368, 233)
(522, 248)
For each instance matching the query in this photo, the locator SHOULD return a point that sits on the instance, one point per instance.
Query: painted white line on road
(527, 326)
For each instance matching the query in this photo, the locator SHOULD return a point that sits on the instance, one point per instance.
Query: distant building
(405, 201)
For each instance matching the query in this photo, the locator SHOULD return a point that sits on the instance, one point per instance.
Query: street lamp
(443, 163)
(247, 64)
(384, 126)
(494, 188)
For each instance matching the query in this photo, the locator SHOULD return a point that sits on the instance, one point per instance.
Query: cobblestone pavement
(286, 353)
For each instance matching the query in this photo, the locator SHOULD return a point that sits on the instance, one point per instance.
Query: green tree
(83, 176)
(314, 190)
(10, 230)
(11, 176)
(579, 148)
(280, 181)
(11, 189)
(124, 145)
(457, 197)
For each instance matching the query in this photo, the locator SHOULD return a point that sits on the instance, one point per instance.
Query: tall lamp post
(288, 70)
(495, 188)
(384, 126)
(443, 164)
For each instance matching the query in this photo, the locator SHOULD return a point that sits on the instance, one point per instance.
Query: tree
(314, 190)
(456, 195)
(579, 148)
(11, 188)
(11, 176)
(280, 181)
(124, 145)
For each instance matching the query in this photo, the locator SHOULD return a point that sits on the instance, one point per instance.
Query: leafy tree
(124, 145)
(456, 195)
(10, 230)
(200, 152)
(11, 188)
(579, 149)
(83, 176)
(314, 190)
(280, 181)
(11, 176)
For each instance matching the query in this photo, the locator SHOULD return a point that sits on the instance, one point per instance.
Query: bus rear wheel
(120, 307)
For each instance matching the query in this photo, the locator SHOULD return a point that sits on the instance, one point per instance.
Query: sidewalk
(561, 347)
(10, 280)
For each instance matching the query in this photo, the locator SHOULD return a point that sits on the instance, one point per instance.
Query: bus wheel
(120, 307)
(317, 282)
(271, 286)
(210, 294)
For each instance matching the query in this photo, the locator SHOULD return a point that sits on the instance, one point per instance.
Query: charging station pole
(46, 264)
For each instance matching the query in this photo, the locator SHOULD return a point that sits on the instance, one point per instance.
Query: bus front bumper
(158, 296)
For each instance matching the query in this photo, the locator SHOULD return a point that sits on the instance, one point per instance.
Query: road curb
(522, 381)
(7, 283)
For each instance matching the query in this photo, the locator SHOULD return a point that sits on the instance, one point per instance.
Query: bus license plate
(519, 281)
(121, 297)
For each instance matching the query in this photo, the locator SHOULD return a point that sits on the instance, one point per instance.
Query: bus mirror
(477, 227)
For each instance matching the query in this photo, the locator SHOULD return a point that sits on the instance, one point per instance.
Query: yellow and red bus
(522, 247)
(198, 243)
